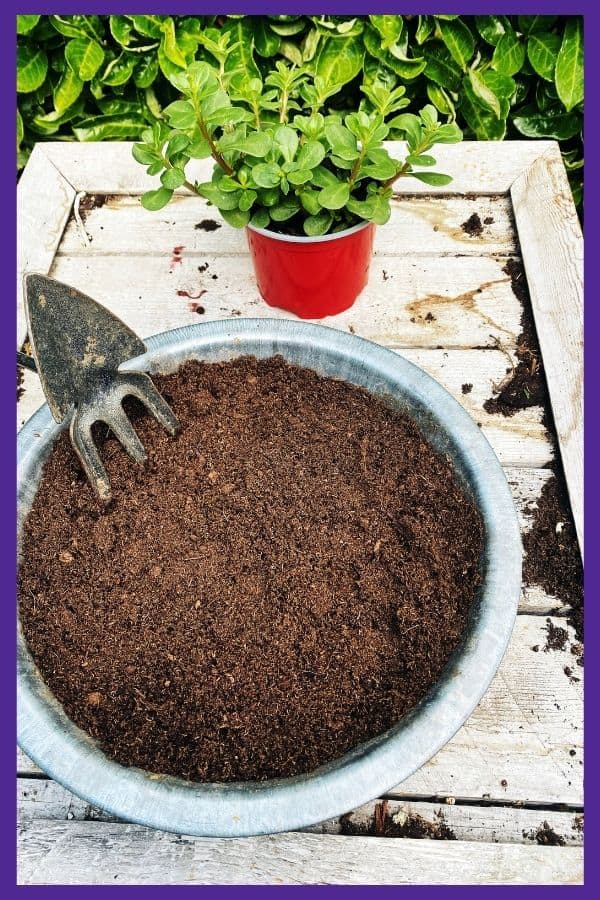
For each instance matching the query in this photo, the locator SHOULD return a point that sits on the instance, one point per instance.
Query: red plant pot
(312, 276)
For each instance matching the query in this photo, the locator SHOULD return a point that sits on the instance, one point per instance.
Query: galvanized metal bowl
(67, 754)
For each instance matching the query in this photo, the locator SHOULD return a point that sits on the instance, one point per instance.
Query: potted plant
(308, 184)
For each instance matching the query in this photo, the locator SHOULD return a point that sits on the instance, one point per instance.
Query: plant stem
(283, 110)
(213, 147)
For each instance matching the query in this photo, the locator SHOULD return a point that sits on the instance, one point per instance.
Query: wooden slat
(44, 199)
(477, 167)
(418, 226)
(470, 299)
(522, 732)
(108, 853)
(552, 247)
(46, 800)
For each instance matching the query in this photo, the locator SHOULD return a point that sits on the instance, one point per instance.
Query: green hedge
(91, 78)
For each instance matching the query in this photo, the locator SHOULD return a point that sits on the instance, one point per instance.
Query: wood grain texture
(111, 853)
(422, 302)
(552, 247)
(422, 226)
(477, 167)
(522, 732)
(44, 201)
(39, 799)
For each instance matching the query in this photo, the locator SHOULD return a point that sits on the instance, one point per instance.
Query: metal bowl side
(71, 757)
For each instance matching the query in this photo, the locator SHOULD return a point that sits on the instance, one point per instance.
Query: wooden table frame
(517, 761)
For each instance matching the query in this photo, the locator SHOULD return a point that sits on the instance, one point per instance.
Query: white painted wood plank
(44, 201)
(39, 799)
(418, 226)
(109, 853)
(425, 302)
(552, 246)
(478, 167)
(522, 732)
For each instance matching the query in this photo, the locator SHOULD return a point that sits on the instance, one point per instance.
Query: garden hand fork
(78, 346)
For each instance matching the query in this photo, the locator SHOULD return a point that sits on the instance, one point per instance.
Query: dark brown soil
(283, 580)
(20, 387)
(557, 637)
(207, 225)
(525, 384)
(467, 388)
(473, 226)
(383, 825)
(546, 836)
(552, 557)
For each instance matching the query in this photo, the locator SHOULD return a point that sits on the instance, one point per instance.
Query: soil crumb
(20, 387)
(284, 579)
(546, 836)
(556, 637)
(467, 388)
(473, 226)
(489, 220)
(400, 825)
(207, 225)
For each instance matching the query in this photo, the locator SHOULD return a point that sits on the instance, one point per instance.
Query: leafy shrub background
(91, 78)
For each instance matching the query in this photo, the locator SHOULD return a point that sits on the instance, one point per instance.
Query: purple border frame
(591, 11)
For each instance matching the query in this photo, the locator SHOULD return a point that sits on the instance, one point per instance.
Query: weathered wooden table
(438, 294)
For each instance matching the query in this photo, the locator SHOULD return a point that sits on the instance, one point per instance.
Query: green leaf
(315, 226)
(266, 175)
(25, 24)
(342, 142)
(119, 71)
(435, 178)
(569, 65)
(286, 29)
(149, 26)
(542, 51)
(146, 71)
(421, 160)
(323, 177)
(180, 114)
(222, 199)
(169, 44)
(425, 29)
(240, 57)
(260, 218)
(286, 139)
(532, 123)
(376, 208)
(144, 154)
(247, 199)
(20, 130)
(310, 201)
(299, 176)
(265, 39)
(492, 28)
(379, 165)
(410, 125)
(532, 24)
(238, 218)
(509, 54)
(288, 207)
(485, 125)
(109, 128)
(172, 178)
(154, 200)
(121, 28)
(311, 155)
(440, 99)
(67, 90)
(32, 66)
(339, 60)
(85, 57)
(258, 144)
(459, 41)
(449, 133)
(483, 93)
(336, 196)
(291, 52)
(388, 27)
(440, 67)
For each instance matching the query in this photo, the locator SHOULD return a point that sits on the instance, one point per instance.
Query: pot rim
(72, 758)
(305, 239)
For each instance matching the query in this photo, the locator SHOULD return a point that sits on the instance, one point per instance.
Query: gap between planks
(47, 800)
